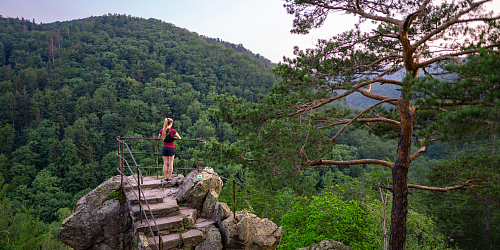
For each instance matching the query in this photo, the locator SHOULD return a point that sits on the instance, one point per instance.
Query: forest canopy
(69, 89)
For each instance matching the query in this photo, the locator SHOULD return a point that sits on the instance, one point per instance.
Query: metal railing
(140, 180)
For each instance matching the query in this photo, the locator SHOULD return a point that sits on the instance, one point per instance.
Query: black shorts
(167, 151)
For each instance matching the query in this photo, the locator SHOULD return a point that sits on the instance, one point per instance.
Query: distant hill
(69, 89)
(357, 100)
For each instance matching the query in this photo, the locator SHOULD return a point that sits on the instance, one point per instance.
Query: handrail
(138, 138)
(156, 147)
(234, 191)
(138, 181)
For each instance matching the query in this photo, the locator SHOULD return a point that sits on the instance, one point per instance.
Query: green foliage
(475, 85)
(22, 229)
(6, 139)
(463, 215)
(423, 233)
(65, 98)
(327, 217)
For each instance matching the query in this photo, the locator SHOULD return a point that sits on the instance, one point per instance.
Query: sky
(262, 26)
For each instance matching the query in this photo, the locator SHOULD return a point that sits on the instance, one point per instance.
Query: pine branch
(446, 25)
(453, 56)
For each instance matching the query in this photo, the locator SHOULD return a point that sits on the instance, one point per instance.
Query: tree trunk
(397, 236)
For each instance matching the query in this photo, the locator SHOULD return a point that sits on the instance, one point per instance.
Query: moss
(119, 196)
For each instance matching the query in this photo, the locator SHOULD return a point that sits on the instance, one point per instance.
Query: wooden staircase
(179, 226)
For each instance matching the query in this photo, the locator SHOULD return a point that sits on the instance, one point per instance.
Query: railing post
(139, 191)
(161, 241)
(198, 140)
(120, 167)
(234, 201)
(156, 158)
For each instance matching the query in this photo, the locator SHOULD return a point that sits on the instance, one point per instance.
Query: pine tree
(294, 127)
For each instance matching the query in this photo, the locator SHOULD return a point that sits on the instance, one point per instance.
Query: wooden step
(164, 223)
(168, 207)
(169, 241)
(151, 196)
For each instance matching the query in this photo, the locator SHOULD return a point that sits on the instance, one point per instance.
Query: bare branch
(353, 162)
(377, 61)
(478, 19)
(375, 96)
(309, 163)
(362, 202)
(446, 25)
(466, 185)
(365, 120)
(357, 117)
(245, 159)
(460, 103)
(319, 103)
(452, 56)
(386, 35)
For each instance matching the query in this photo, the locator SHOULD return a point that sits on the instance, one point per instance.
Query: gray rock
(220, 213)
(99, 223)
(192, 237)
(250, 232)
(193, 190)
(327, 245)
(209, 205)
(189, 216)
(213, 240)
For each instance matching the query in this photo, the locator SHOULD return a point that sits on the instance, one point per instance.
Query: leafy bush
(312, 220)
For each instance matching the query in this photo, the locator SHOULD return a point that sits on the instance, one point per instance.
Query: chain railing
(140, 180)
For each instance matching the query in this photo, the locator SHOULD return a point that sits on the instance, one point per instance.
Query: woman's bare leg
(165, 166)
(170, 165)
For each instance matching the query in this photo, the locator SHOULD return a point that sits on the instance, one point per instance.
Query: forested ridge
(68, 89)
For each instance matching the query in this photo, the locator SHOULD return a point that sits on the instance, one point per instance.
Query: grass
(116, 195)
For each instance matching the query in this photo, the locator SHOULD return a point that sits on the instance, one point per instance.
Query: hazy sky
(262, 26)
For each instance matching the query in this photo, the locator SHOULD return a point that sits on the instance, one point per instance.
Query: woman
(168, 149)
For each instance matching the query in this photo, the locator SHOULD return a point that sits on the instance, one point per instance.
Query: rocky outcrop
(250, 232)
(99, 221)
(327, 245)
(196, 185)
(103, 220)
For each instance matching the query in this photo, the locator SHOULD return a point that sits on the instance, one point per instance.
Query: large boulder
(196, 185)
(327, 245)
(212, 240)
(209, 204)
(221, 212)
(100, 221)
(250, 232)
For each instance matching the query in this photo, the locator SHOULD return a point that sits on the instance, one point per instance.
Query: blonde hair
(166, 125)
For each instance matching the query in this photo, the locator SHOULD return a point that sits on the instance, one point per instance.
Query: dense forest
(69, 89)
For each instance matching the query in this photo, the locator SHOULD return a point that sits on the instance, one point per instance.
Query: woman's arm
(177, 136)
